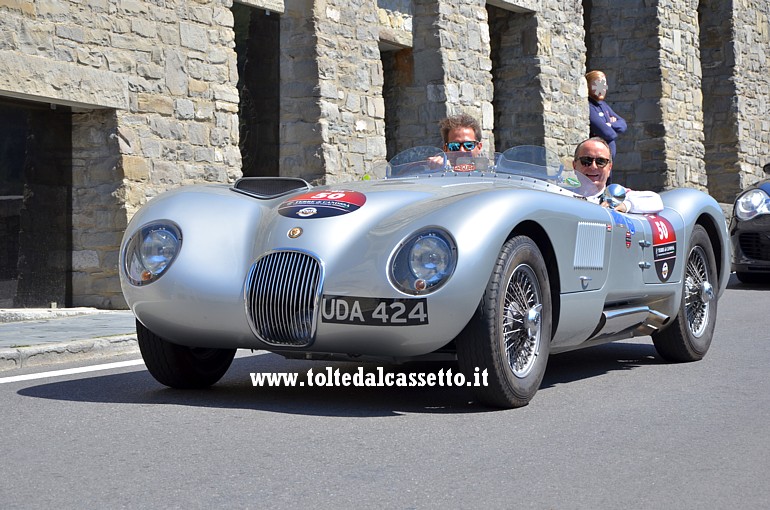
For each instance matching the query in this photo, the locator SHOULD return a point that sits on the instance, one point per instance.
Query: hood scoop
(266, 188)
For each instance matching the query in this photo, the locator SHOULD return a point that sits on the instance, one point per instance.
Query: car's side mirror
(614, 195)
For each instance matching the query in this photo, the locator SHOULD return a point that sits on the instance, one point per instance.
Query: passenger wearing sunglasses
(593, 165)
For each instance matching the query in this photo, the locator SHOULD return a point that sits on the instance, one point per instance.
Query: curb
(32, 314)
(46, 354)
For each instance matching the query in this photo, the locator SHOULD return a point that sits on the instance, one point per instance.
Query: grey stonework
(751, 74)
(153, 88)
(626, 42)
(352, 123)
(154, 101)
(539, 63)
(691, 80)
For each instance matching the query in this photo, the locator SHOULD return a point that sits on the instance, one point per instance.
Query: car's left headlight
(751, 204)
(150, 251)
(423, 262)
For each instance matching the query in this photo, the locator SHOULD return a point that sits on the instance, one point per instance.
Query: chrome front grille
(282, 295)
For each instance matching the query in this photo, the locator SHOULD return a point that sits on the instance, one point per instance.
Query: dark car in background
(750, 232)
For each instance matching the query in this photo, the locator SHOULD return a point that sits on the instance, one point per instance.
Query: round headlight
(150, 252)
(158, 249)
(423, 262)
(429, 258)
(751, 204)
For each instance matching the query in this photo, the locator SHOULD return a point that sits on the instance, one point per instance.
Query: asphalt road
(612, 427)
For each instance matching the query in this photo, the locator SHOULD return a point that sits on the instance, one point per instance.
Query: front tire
(689, 337)
(181, 367)
(510, 334)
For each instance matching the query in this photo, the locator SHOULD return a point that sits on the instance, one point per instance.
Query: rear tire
(182, 367)
(510, 334)
(688, 338)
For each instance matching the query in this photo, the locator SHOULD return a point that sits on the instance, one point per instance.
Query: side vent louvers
(589, 245)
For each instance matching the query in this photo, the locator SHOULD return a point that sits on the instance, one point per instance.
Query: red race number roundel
(663, 246)
(322, 204)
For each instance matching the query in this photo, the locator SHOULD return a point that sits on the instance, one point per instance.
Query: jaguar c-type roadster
(494, 263)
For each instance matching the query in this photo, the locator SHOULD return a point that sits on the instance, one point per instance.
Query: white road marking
(70, 371)
(96, 368)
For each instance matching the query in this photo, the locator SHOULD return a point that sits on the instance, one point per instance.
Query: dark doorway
(398, 78)
(257, 34)
(35, 205)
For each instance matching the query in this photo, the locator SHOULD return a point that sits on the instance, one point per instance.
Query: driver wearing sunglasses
(461, 133)
(593, 165)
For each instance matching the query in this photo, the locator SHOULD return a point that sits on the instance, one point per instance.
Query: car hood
(403, 199)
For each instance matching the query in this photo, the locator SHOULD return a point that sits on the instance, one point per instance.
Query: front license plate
(374, 311)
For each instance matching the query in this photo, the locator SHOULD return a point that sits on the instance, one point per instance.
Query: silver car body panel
(615, 274)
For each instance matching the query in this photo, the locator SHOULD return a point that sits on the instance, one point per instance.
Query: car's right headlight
(751, 204)
(423, 262)
(150, 251)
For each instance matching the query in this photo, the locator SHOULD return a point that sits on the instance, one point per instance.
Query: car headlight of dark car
(423, 262)
(751, 204)
(150, 252)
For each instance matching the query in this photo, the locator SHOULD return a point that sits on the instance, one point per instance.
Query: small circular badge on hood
(295, 233)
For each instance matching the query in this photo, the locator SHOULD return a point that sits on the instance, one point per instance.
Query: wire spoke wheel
(509, 337)
(521, 320)
(698, 292)
(688, 337)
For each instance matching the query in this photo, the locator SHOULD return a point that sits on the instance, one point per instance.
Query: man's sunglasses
(587, 160)
(455, 146)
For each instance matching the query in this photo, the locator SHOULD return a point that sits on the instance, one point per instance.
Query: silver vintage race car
(494, 263)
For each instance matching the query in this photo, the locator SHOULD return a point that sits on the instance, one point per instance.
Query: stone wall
(624, 43)
(413, 85)
(99, 201)
(751, 34)
(350, 83)
(447, 71)
(538, 66)
(690, 79)
(464, 48)
(153, 91)
(720, 124)
(681, 99)
(516, 76)
(395, 22)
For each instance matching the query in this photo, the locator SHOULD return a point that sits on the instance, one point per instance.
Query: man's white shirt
(637, 202)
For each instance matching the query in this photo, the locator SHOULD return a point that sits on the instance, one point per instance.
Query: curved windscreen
(525, 160)
(426, 160)
(417, 161)
(531, 161)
